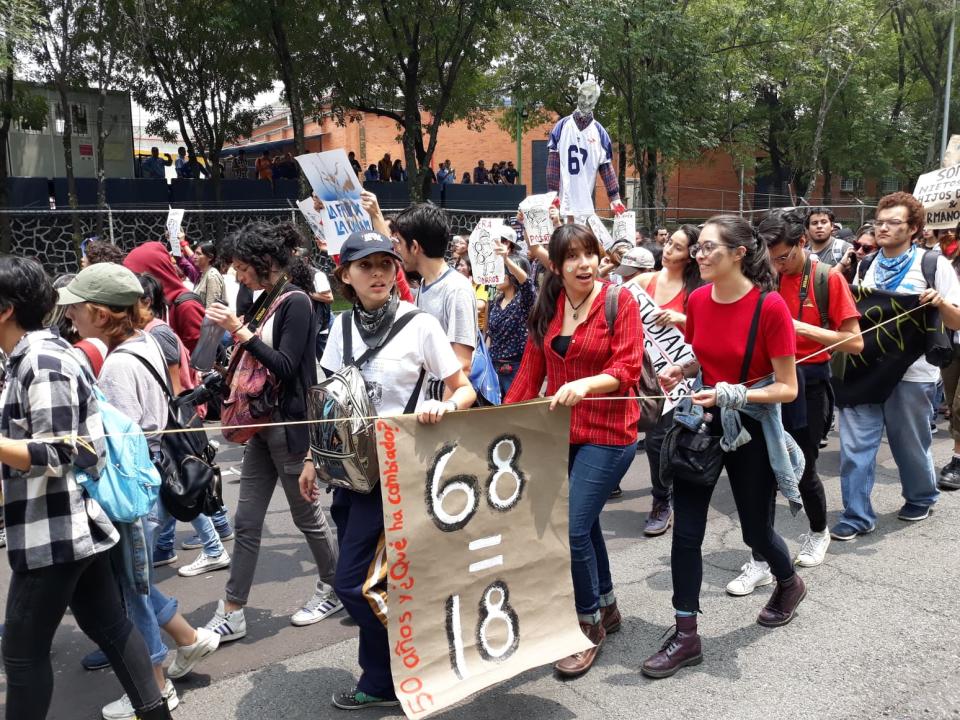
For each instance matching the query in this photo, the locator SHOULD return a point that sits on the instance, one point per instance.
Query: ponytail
(755, 266)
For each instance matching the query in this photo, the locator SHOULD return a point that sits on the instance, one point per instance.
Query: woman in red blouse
(572, 346)
(737, 268)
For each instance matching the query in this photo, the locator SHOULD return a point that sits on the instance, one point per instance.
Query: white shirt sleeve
(438, 357)
(332, 359)
(321, 283)
(947, 284)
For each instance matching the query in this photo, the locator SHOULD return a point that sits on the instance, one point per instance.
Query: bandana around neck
(373, 326)
(891, 271)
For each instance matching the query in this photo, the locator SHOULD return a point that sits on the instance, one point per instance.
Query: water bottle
(205, 353)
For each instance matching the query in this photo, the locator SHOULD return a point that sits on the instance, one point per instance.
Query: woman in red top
(737, 267)
(572, 346)
(669, 287)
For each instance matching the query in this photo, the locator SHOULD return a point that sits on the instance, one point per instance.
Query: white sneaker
(122, 709)
(3, 537)
(813, 548)
(753, 575)
(189, 655)
(205, 563)
(229, 626)
(323, 604)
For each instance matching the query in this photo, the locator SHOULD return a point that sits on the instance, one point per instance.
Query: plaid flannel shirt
(48, 398)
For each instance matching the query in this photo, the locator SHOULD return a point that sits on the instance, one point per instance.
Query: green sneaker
(357, 700)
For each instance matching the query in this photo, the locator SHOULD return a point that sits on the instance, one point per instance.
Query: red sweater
(593, 351)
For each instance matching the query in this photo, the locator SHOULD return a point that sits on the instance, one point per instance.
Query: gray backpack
(344, 445)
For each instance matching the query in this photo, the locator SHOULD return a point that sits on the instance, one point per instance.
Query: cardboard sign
(600, 230)
(174, 221)
(312, 216)
(939, 191)
(488, 267)
(334, 182)
(625, 227)
(478, 557)
(536, 217)
(952, 155)
(666, 345)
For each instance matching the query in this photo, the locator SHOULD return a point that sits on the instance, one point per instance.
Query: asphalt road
(877, 636)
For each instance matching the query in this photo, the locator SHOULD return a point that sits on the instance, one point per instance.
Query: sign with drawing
(313, 216)
(338, 188)
(488, 267)
(475, 511)
(536, 217)
(174, 221)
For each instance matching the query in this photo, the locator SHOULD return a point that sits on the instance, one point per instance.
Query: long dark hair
(691, 272)
(735, 231)
(561, 241)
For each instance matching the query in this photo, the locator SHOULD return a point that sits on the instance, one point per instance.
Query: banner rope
(539, 401)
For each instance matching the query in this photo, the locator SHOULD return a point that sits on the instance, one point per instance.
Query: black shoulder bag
(692, 455)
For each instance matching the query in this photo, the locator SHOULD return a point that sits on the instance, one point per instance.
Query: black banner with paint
(888, 349)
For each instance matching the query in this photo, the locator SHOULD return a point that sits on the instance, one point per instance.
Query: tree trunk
(650, 185)
(827, 183)
(291, 87)
(68, 166)
(101, 143)
(6, 237)
(418, 179)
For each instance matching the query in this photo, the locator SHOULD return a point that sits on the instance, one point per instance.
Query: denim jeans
(595, 470)
(206, 528)
(906, 417)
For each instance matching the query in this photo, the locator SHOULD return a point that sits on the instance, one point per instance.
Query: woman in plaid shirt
(57, 537)
(571, 345)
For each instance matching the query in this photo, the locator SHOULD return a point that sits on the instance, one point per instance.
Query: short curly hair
(916, 215)
(260, 244)
(100, 251)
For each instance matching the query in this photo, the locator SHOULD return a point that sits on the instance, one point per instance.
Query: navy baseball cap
(362, 244)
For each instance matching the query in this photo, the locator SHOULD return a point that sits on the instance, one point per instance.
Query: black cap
(361, 244)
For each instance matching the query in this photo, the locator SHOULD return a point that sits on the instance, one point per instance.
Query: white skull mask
(587, 95)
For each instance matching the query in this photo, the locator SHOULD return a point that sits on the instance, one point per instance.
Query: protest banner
(333, 181)
(871, 375)
(939, 191)
(665, 345)
(314, 219)
(625, 227)
(488, 267)
(174, 221)
(478, 556)
(536, 217)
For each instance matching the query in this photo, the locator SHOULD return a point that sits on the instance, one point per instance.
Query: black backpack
(191, 484)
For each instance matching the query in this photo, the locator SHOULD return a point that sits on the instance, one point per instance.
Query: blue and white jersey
(582, 152)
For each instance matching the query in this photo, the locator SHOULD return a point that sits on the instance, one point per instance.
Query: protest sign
(174, 221)
(939, 191)
(488, 267)
(536, 217)
(600, 230)
(871, 375)
(337, 186)
(625, 227)
(314, 219)
(952, 155)
(665, 345)
(478, 556)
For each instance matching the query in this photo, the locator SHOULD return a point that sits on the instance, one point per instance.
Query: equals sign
(482, 544)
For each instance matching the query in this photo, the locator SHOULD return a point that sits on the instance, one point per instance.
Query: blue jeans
(906, 417)
(595, 470)
(206, 528)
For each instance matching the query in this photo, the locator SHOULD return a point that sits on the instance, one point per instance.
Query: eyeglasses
(866, 247)
(708, 248)
(786, 256)
(892, 224)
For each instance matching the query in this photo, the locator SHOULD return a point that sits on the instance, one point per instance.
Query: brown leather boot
(782, 605)
(680, 650)
(579, 663)
(610, 619)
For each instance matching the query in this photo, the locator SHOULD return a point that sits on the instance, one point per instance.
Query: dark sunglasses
(864, 246)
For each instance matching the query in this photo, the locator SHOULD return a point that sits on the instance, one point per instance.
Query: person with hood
(186, 311)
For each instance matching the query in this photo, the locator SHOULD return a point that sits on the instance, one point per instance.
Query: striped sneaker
(229, 626)
(323, 604)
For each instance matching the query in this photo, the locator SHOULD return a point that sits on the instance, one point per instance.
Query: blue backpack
(483, 375)
(129, 484)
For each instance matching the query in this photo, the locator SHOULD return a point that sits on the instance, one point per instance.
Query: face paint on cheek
(570, 268)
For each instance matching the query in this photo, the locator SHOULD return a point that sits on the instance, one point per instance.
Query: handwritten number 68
(503, 455)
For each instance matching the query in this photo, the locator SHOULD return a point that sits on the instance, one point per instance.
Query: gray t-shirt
(169, 345)
(130, 388)
(452, 300)
(833, 252)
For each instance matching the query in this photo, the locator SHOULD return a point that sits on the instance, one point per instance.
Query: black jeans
(753, 486)
(808, 438)
(36, 603)
(653, 442)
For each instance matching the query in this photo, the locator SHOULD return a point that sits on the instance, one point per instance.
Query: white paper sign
(666, 345)
(625, 227)
(174, 221)
(939, 191)
(488, 267)
(334, 182)
(600, 230)
(314, 219)
(536, 217)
